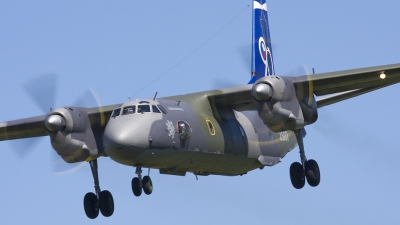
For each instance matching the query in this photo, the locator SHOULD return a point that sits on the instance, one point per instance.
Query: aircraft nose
(125, 139)
(117, 137)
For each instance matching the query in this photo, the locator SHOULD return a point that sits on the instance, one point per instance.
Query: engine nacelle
(71, 134)
(283, 107)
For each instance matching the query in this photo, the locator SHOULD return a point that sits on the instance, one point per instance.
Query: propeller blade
(23, 147)
(60, 167)
(42, 90)
(245, 53)
(298, 71)
(224, 83)
(87, 99)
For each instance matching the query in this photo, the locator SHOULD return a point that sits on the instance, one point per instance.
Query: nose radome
(130, 133)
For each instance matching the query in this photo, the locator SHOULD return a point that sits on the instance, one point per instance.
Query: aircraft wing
(347, 84)
(333, 87)
(23, 128)
(35, 126)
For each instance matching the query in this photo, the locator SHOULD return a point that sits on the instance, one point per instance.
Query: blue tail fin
(262, 63)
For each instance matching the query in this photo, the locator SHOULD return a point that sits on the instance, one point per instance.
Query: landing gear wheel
(297, 175)
(90, 205)
(136, 189)
(312, 172)
(106, 203)
(147, 185)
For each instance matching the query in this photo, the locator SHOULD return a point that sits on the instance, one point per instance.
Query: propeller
(42, 90)
(299, 71)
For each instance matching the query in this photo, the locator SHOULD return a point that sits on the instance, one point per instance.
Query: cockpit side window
(116, 113)
(184, 130)
(143, 108)
(128, 110)
(155, 109)
(163, 110)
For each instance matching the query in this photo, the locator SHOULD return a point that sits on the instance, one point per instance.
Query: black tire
(137, 191)
(106, 203)
(313, 174)
(90, 205)
(147, 185)
(297, 175)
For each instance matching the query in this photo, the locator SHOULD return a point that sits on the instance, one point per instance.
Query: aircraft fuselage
(186, 134)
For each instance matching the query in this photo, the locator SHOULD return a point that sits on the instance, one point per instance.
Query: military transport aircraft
(228, 131)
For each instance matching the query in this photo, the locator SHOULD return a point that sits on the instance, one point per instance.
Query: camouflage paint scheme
(240, 141)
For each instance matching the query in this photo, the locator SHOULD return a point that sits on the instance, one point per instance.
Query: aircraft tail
(262, 63)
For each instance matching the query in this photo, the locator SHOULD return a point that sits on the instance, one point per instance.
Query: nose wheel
(101, 201)
(139, 183)
(307, 169)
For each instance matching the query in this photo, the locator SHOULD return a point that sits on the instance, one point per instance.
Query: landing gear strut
(139, 183)
(102, 200)
(308, 169)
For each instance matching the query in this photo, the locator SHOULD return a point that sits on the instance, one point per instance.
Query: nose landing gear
(102, 200)
(139, 184)
(308, 169)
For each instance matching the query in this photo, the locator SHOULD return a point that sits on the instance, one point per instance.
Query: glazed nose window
(184, 130)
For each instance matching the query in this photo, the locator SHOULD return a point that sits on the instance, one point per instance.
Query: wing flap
(334, 98)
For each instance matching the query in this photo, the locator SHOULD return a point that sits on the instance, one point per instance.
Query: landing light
(382, 76)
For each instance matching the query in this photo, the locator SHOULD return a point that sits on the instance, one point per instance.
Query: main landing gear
(308, 169)
(102, 200)
(139, 184)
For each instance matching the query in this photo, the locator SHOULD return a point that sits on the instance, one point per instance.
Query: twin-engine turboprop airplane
(228, 131)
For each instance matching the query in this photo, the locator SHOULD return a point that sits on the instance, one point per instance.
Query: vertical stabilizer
(262, 63)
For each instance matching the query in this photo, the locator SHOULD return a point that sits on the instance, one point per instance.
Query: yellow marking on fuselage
(212, 131)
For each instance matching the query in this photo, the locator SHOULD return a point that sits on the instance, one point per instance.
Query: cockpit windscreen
(129, 110)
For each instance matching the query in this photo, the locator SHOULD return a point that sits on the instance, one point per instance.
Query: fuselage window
(128, 110)
(184, 130)
(163, 110)
(143, 108)
(155, 109)
(116, 113)
(210, 127)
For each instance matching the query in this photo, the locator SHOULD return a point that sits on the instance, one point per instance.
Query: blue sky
(118, 48)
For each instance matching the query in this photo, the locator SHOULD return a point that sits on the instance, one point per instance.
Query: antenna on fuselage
(155, 96)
